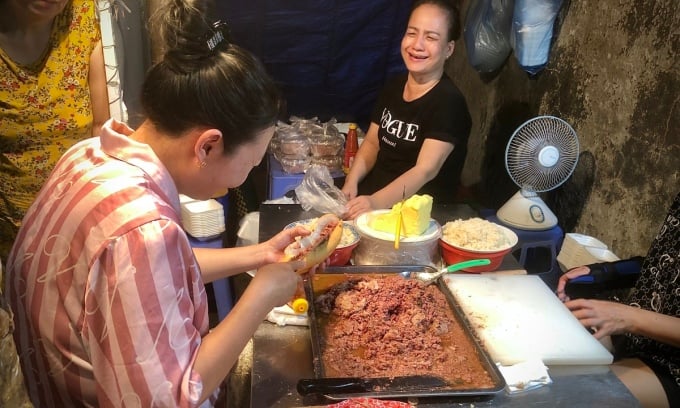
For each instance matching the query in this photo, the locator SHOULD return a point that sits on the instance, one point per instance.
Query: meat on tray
(391, 326)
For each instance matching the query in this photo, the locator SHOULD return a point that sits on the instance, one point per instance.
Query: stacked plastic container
(203, 220)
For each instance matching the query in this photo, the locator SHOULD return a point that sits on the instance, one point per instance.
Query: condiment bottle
(351, 147)
(299, 302)
(299, 305)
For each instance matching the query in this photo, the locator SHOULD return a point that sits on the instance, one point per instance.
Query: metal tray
(333, 275)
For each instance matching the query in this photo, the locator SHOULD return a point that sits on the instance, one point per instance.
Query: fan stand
(526, 210)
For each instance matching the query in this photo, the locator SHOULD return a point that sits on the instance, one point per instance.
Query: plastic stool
(530, 243)
(223, 297)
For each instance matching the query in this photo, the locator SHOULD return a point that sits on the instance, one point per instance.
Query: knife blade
(351, 385)
(400, 220)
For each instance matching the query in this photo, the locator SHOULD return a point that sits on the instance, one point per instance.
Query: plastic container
(297, 146)
(334, 163)
(294, 164)
(377, 247)
(323, 146)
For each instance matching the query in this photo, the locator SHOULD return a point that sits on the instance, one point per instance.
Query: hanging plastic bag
(317, 191)
(487, 33)
(532, 31)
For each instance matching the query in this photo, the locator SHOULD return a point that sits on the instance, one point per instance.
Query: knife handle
(307, 386)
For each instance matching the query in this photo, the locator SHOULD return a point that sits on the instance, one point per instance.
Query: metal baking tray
(322, 281)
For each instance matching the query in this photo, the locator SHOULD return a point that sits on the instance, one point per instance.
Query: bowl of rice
(476, 238)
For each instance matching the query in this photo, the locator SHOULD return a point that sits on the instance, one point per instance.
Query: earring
(202, 164)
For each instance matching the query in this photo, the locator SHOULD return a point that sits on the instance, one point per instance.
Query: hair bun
(187, 35)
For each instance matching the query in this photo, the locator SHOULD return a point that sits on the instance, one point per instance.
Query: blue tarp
(329, 57)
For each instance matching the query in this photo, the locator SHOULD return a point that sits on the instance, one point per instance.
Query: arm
(98, 89)
(146, 319)
(220, 263)
(431, 157)
(273, 285)
(363, 161)
(609, 318)
(599, 276)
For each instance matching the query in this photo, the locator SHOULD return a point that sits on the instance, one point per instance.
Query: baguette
(313, 249)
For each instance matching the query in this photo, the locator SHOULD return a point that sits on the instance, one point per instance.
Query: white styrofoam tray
(579, 249)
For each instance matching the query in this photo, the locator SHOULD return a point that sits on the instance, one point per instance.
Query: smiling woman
(417, 140)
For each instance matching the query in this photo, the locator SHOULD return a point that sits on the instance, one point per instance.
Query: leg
(641, 381)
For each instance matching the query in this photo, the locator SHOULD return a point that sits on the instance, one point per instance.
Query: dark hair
(205, 80)
(452, 9)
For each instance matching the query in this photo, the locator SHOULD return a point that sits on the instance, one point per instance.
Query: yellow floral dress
(45, 108)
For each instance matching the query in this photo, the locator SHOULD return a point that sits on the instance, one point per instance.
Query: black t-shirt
(440, 114)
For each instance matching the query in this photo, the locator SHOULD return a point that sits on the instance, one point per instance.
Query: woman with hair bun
(108, 294)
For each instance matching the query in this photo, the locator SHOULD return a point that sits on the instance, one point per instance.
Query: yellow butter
(415, 215)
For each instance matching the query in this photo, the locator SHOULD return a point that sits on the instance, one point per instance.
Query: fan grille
(542, 154)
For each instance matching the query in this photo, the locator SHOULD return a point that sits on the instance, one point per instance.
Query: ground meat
(391, 326)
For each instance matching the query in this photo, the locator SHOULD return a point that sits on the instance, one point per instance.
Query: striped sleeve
(145, 313)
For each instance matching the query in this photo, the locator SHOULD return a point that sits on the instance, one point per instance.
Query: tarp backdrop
(330, 57)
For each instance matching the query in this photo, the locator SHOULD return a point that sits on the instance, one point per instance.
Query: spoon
(429, 277)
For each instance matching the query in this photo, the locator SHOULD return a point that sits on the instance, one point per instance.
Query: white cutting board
(518, 318)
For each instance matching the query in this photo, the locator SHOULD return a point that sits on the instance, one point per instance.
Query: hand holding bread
(314, 248)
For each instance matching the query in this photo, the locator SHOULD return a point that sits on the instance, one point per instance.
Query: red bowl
(343, 252)
(453, 254)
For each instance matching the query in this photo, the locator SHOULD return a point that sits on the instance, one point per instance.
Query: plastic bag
(532, 31)
(487, 33)
(317, 191)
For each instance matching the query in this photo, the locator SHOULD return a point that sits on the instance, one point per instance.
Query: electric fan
(539, 157)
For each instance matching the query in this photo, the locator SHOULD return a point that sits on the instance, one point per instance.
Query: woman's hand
(358, 206)
(277, 282)
(566, 277)
(350, 190)
(605, 317)
(276, 244)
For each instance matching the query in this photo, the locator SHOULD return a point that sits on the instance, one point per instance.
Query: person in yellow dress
(52, 94)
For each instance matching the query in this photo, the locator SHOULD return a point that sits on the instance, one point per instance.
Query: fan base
(527, 213)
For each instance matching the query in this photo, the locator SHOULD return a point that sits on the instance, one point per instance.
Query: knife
(350, 385)
(397, 234)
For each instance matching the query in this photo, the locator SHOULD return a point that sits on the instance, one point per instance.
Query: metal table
(281, 355)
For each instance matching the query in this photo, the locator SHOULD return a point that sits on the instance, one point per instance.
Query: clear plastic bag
(317, 191)
(487, 33)
(532, 32)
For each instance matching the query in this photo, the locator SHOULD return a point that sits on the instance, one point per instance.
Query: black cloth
(657, 290)
(441, 114)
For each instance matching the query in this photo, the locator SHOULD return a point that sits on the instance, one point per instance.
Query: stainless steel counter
(282, 355)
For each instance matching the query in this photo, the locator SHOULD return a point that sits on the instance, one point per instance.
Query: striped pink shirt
(108, 298)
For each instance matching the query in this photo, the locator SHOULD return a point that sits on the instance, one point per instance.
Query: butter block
(415, 214)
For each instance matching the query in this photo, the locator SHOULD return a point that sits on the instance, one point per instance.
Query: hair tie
(218, 35)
